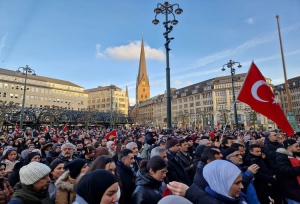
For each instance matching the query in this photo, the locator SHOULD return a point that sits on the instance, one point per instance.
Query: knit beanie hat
(171, 142)
(33, 172)
(229, 151)
(55, 163)
(75, 167)
(93, 185)
(29, 157)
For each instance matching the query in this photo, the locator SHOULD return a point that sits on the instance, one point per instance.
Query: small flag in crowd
(16, 128)
(113, 133)
(65, 128)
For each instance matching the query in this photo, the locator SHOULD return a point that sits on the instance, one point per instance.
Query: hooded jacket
(270, 150)
(148, 190)
(65, 189)
(287, 174)
(52, 154)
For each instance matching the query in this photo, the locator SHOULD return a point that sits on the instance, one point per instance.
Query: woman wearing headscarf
(225, 182)
(101, 151)
(65, 183)
(111, 148)
(99, 186)
(119, 148)
(6, 190)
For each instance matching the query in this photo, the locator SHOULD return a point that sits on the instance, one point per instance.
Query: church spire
(142, 81)
(142, 66)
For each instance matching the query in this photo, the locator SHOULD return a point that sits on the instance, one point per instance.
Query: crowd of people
(148, 166)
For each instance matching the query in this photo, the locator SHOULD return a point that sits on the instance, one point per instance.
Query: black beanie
(29, 157)
(229, 151)
(171, 142)
(93, 185)
(75, 167)
(55, 163)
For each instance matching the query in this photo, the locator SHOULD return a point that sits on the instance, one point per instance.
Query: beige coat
(65, 189)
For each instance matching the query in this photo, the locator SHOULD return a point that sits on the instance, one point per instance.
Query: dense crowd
(149, 166)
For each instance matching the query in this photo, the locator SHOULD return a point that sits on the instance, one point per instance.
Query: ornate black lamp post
(167, 9)
(230, 65)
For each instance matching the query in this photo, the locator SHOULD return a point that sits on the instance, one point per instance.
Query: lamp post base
(292, 120)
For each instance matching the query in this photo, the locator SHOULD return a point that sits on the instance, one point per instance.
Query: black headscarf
(93, 185)
(75, 167)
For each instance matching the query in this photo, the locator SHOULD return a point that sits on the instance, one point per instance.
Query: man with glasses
(289, 170)
(234, 156)
(126, 175)
(176, 171)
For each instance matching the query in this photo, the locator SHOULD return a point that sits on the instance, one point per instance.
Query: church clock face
(143, 82)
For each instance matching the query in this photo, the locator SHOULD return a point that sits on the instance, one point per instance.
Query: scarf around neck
(29, 195)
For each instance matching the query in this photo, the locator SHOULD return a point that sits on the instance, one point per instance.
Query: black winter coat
(127, 179)
(52, 154)
(287, 175)
(199, 180)
(148, 190)
(197, 196)
(270, 151)
(176, 170)
(263, 177)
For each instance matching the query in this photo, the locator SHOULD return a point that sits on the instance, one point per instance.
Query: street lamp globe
(239, 66)
(155, 21)
(223, 69)
(157, 10)
(174, 22)
(178, 11)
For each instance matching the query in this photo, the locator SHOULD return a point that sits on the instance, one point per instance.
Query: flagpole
(288, 96)
(289, 114)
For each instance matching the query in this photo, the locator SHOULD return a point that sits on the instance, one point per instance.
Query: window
(27, 98)
(11, 95)
(4, 95)
(5, 86)
(17, 87)
(16, 96)
(32, 89)
(36, 89)
(1, 85)
(12, 86)
(32, 98)
(42, 98)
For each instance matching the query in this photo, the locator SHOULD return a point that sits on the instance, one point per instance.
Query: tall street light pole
(230, 65)
(111, 104)
(25, 70)
(167, 9)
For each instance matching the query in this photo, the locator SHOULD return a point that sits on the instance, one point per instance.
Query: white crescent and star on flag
(254, 89)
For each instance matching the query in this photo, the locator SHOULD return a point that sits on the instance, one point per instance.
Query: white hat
(33, 172)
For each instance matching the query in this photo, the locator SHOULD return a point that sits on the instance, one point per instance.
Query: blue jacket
(250, 191)
(226, 200)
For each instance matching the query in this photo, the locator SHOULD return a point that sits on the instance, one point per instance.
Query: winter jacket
(199, 180)
(186, 161)
(6, 191)
(226, 200)
(287, 175)
(136, 164)
(79, 200)
(65, 193)
(127, 179)
(9, 164)
(52, 154)
(148, 190)
(197, 196)
(270, 150)
(14, 177)
(263, 178)
(176, 171)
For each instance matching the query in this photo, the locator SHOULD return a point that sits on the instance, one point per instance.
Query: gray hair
(130, 144)
(67, 144)
(156, 151)
(203, 142)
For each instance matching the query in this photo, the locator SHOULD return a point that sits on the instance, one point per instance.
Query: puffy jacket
(287, 175)
(148, 190)
(65, 189)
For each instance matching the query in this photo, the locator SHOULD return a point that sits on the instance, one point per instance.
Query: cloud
(249, 21)
(132, 101)
(98, 52)
(130, 51)
(278, 81)
(182, 83)
(2, 43)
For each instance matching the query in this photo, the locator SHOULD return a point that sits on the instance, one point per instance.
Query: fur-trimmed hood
(65, 182)
(284, 151)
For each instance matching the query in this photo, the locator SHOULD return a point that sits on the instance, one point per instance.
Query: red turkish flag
(113, 133)
(257, 94)
(65, 128)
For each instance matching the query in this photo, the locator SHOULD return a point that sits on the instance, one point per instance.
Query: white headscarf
(111, 152)
(220, 175)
